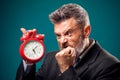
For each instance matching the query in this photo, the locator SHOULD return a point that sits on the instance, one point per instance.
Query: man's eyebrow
(69, 29)
(56, 33)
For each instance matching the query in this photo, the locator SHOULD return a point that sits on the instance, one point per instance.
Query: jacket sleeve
(69, 74)
(29, 74)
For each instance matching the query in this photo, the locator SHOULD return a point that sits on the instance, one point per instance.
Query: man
(79, 58)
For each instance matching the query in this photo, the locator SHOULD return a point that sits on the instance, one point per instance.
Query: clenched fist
(66, 58)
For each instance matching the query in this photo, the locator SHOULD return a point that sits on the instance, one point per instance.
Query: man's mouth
(65, 46)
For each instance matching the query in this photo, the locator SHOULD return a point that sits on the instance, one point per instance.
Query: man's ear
(87, 30)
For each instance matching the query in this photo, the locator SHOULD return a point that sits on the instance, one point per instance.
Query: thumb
(23, 30)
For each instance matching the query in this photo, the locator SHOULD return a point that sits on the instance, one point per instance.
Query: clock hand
(34, 50)
(35, 47)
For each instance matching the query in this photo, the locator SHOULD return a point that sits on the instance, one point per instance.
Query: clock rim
(22, 54)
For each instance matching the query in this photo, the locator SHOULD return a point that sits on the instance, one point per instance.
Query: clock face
(33, 49)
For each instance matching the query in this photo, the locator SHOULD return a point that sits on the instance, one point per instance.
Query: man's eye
(69, 33)
(58, 36)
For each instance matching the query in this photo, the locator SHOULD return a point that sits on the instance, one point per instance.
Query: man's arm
(69, 74)
(25, 73)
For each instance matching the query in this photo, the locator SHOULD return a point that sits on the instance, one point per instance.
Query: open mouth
(65, 46)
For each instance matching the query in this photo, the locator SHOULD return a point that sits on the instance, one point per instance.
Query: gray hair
(70, 11)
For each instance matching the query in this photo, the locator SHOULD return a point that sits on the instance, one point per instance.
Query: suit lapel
(88, 59)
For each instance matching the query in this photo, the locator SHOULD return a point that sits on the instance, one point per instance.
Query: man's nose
(63, 39)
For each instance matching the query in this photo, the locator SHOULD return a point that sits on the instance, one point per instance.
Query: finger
(71, 51)
(68, 50)
(67, 53)
(24, 31)
(42, 35)
(31, 31)
(34, 30)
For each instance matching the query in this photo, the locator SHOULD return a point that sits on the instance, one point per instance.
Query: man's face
(68, 34)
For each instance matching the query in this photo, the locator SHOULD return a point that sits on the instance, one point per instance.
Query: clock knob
(28, 35)
(40, 37)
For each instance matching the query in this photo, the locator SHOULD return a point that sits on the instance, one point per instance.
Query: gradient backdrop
(104, 16)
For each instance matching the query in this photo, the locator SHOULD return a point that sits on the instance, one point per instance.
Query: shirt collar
(92, 42)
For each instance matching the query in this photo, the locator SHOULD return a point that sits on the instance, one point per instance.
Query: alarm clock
(32, 48)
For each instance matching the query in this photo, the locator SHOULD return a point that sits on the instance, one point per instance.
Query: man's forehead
(65, 25)
(61, 29)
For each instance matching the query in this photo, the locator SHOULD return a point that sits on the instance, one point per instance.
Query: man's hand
(27, 33)
(65, 58)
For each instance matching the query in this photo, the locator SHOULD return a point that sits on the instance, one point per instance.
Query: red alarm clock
(32, 48)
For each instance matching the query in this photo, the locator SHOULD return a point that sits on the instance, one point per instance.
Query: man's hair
(68, 11)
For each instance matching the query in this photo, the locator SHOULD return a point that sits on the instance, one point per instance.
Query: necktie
(77, 62)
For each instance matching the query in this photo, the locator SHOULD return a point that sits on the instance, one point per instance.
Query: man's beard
(80, 46)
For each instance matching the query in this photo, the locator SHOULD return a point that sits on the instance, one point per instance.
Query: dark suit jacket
(97, 64)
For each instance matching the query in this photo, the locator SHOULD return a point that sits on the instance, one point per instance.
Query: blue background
(14, 14)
